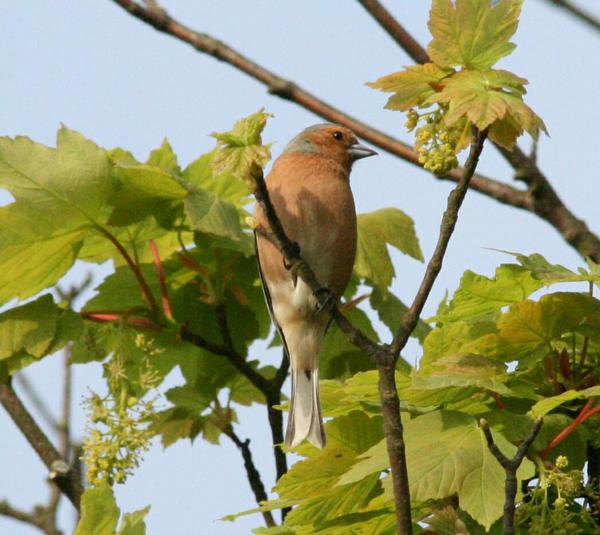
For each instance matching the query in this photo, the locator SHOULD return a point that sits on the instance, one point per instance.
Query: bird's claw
(329, 300)
(294, 251)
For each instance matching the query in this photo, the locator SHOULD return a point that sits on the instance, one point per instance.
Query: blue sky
(94, 68)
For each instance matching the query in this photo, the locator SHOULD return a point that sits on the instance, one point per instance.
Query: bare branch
(577, 12)
(455, 199)
(252, 473)
(61, 473)
(510, 468)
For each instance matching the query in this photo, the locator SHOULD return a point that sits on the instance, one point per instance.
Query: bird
(309, 188)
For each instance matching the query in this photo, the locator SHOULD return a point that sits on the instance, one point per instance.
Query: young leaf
(164, 158)
(412, 86)
(375, 231)
(241, 148)
(472, 33)
(99, 512)
(478, 296)
(544, 406)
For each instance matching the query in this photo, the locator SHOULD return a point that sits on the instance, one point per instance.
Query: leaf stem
(166, 301)
(144, 288)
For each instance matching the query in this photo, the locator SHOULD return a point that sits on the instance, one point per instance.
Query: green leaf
(546, 405)
(375, 231)
(412, 86)
(479, 296)
(164, 158)
(30, 328)
(390, 311)
(531, 326)
(99, 512)
(133, 523)
(71, 183)
(34, 256)
(208, 213)
(485, 97)
(145, 191)
(358, 393)
(241, 148)
(464, 371)
(225, 186)
(338, 357)
(472, 33)
(121, 291)
(447, 454)
(549, 273)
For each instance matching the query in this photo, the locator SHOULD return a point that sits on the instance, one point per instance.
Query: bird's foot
(294, 251)
(326, 299)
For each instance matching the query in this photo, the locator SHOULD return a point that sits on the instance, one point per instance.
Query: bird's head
(330, 141)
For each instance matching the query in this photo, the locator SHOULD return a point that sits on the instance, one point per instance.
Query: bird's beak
(358, 151)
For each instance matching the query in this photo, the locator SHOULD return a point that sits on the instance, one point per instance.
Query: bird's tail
(305, 420)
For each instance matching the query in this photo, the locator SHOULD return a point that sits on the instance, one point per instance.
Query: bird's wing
(268, 299)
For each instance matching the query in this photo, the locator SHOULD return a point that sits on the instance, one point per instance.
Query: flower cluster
(435, 142)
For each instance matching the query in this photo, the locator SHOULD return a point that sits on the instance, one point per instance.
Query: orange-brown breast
(313, 200)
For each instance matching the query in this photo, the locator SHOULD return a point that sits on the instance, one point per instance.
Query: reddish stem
(164, 293)
(135, 321)
(583, 415)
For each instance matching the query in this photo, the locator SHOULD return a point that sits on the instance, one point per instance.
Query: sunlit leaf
(472, 33)
(412, 86)
(478, 295)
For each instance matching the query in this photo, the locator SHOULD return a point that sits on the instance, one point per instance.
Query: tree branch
(252, 473)
(160, 20)
(61, 473)
(510, 468)
(449, 219)
(40, 517)
(577, 12)
(541, 198)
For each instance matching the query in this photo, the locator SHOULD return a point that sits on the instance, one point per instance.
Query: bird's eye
(338, 135)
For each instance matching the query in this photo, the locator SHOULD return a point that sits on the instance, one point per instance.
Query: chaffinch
(309, 187)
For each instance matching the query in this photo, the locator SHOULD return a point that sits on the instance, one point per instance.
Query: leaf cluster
(502, 348)
(468, 38)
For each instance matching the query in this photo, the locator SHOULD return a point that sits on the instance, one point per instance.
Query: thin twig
(61, 472)
(577, 12)
(455, 199)
(272, 397)
(252, 473)
(510, 468)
